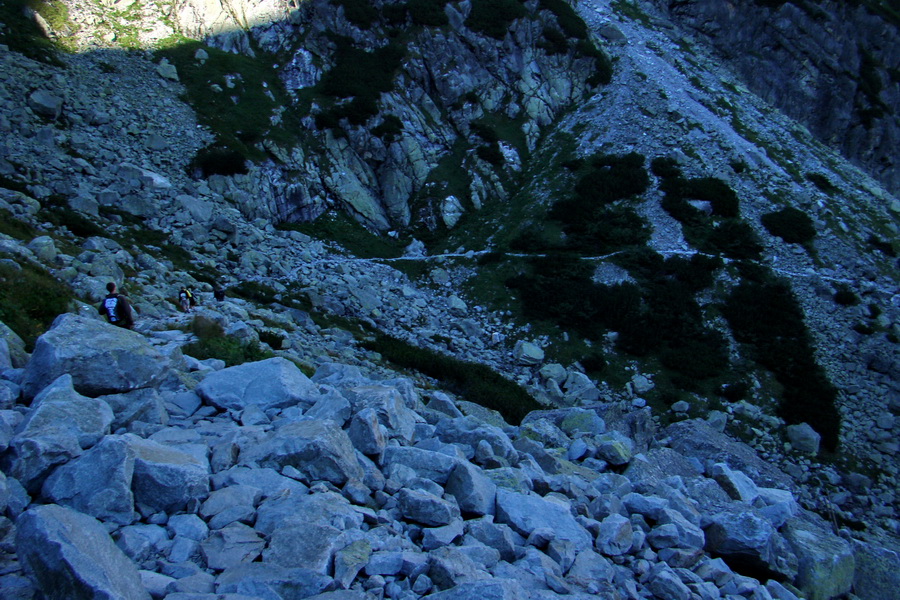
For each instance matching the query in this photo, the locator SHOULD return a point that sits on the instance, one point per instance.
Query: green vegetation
(351, 235)
(254, 292)
(213, 343)
(30, 298)
(240, 112)
(389, 129)
(631, 10)
(22, 33)
(765, 316)
(360, 75)
(428, 13)
(720, 230)
(821, 182)
(472, 381)
(790, 224)
(494, 17)
(359, 12)
(846, 297)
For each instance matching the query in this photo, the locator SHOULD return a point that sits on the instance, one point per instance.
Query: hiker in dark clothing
(116, 308)
(219, 293)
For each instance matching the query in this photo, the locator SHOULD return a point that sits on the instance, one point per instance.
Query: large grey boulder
(101, 358)
(877, 572)
(59, 426)
(471, 431)
(98, 483)
(231, 546)
(494, 589)
(139, 405)
(165, 478)
(427, 464)
(307, 545)
(389, 406)
(15, 345)
(695, 438)
(271, 383)
(525, 513)
(268, 581)
(744, 538)
(70, 555)
(826, 565)
(46, 104)
(326, 508)
(474, 491)
(317, 449)
(425, 508)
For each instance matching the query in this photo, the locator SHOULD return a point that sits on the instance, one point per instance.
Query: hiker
(219, 293)
(191, 298)
(116, 308)
(184, 298)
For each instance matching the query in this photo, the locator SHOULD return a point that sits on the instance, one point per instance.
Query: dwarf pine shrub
(472, 381)
(30, 298)
(790, 224)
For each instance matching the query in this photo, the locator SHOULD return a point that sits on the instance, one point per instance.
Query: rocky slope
(832, 66)
(407, 495)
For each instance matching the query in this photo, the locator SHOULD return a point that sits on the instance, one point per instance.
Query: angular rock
(615, 536)
(877, 573)
(46, 104)
(270, 384)
(525, 513)
(744, 539)
(527, 353)
(804, 438)
(98, 483)
(389, 407)
(232, 546)
(140, 405)
(349, 561)
(306, 545)
(426, 508)
(166, 479)
(70, 555)
(449, 567)
(317, 449)
(271, 582)
(101, 358)
(474, 492)
(365, 432)
(495, 589)
(826, 565)
(736, 484)
(426, 464)
(60, 424)
(615, 448)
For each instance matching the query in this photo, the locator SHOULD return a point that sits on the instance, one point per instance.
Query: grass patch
(213, 343)
(340, 228)
(240, 115)
(30, 298)
(472, 381)
(22, 33)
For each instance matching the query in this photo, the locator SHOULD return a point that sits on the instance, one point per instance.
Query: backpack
(111, 304)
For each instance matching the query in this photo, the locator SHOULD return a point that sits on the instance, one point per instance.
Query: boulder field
(130, 470)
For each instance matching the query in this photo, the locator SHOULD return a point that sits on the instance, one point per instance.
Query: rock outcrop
(832, 66)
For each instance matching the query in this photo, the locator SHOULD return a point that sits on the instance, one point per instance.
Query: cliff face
(834, 66)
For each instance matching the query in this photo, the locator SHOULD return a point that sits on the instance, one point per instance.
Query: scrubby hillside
(588, 215)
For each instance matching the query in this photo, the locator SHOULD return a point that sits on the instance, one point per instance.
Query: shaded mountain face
(833, 66)
(659, 221)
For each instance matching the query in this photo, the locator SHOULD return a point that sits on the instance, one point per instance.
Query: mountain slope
(649, 194)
